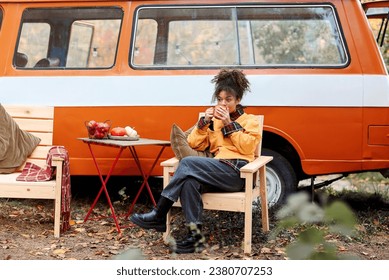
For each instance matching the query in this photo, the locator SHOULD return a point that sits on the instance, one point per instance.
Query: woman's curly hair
(233, 81)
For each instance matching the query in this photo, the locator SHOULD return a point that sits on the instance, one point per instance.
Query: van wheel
(280, 178)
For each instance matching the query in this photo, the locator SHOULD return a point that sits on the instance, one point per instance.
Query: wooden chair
(254, 174)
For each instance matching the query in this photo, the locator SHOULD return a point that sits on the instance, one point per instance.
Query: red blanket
(33, 173)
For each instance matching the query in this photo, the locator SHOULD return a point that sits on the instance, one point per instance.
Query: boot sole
(148, 225)
(189, 250)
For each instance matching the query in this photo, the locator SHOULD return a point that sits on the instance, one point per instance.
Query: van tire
(281, 179)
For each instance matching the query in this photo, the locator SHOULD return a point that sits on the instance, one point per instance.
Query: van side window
(146, 38)
(379, 20)
(253, 36)
(32, 45)
(69, 38)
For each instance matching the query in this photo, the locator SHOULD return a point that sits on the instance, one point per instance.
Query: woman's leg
(191, 176)
(156, 218)
(207, 171)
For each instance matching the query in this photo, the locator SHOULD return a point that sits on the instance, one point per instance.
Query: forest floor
(26, 233)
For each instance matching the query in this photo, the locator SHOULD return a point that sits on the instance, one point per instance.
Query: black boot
(156, 219)
(193, 242)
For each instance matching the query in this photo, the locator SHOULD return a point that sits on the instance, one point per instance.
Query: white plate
(124, 138)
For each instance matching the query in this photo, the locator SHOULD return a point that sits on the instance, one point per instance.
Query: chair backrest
(38, 121)
(258, 150)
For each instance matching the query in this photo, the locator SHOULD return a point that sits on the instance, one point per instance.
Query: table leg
(104, 186)
(144, 176)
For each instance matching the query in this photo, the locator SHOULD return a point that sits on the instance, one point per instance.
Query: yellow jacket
(238, 145)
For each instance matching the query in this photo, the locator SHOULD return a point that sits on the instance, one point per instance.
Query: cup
(215, 114)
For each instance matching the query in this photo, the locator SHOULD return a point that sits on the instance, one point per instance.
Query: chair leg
(166, 235)
(167, 174)
(248, 216)
(263, 195)
(248, 231)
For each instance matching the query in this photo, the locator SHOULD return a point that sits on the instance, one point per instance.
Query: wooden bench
(39, 121)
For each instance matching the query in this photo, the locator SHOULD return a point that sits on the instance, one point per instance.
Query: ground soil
(26, 233)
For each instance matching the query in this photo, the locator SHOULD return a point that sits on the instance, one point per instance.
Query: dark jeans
(196, 175)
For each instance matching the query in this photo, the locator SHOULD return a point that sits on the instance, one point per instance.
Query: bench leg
(57, 202)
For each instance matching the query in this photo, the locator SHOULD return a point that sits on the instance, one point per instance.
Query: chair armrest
(57, 161)
(255, 165)
(169, 167)
(172, 162)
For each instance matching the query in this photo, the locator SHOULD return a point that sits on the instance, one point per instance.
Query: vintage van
(315, 69)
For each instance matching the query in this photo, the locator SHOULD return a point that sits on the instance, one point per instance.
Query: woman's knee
(191, 185)
(188, 160)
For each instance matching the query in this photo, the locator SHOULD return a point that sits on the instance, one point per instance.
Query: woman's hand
(209, 114)
(222, 113)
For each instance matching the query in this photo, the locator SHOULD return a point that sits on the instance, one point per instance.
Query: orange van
(316, 72)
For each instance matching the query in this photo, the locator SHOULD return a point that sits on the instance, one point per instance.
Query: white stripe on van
(267, 90)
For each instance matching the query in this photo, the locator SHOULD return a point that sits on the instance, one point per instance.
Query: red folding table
(122, 145)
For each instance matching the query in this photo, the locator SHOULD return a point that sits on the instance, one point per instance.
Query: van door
(377, 133)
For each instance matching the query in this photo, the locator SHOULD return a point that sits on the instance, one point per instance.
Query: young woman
(231, 136)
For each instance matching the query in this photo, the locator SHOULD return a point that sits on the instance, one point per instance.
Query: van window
(1, 17)
(379, 20)
(68, 38)
(257, 36)
(34, 44)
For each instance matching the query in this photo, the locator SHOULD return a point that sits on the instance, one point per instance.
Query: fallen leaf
(265, 250)
(59, 251)
(342, 248)
(80, 229)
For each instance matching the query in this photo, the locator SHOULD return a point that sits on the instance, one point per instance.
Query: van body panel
(347, 128)
(379, 135)
(266, 90)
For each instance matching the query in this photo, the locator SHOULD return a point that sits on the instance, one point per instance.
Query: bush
(313, 223)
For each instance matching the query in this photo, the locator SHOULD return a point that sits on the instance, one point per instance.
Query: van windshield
(259, 36)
